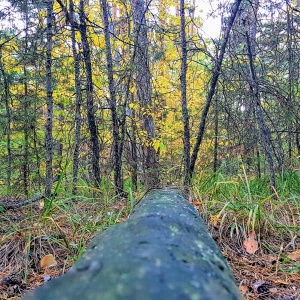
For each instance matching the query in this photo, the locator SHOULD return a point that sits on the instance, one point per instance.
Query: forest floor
(28, 239)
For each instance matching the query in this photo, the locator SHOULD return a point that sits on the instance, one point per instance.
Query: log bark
(163, 251)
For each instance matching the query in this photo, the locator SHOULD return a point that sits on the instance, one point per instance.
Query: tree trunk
(264, 131)
(89, 97)
(117, 152)
(25, 103)
(141, 60)
(49, 101)
(185, 113)
(78, 100)
(8, 128)
(214, 81)
(291, 79)
(216, 163)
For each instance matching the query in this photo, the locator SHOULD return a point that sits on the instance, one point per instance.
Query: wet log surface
(163, 251)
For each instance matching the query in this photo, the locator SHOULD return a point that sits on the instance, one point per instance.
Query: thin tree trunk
(117, 152)
(25, 103)
(141, 60)
(258, 163)
(89, 97)
(264, 131)
(49, 101)
(291, 97)
(185, 113)
(214, 81)
(215, 167)
(134, 155)
(26, 132)
(8, 128)
(78, 100)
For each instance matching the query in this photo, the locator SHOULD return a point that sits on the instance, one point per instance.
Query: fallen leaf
(295, 255)
(279, 281)
(244, 289)
(269, 258)
(273, 290)
(252, 235)
(48, 261)
(215, 219)
(41, 204)
(250, 245)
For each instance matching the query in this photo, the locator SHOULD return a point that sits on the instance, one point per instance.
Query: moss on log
(163, 251)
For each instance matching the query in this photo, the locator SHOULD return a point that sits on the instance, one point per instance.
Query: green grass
(239, 204)
(231, 205)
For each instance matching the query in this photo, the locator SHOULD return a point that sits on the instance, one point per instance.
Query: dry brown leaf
(279, 281)
(269, 258)
(250, 245)
(252, 235)
(295, 255)
(273, 290)
(244, 289)
(48, 261)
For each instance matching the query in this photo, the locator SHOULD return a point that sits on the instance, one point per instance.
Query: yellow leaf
(215, 219)
(48, 261)
(156, 145)
(132, 90)
(134, 106)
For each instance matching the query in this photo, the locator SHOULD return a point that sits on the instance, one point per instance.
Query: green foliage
(246, 203)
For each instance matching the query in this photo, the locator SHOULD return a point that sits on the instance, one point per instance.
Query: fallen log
(163, 251)
(8, 203)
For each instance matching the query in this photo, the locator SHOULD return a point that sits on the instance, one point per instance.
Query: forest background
(102, 100)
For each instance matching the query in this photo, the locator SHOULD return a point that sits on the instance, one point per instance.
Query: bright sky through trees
(207, 9)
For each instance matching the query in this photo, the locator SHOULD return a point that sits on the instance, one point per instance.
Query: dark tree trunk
(78, 100)
(185, 113)
(216, 163)
(117, 151)
(89, 97)
(49, 101)
(143, 76)
(265, 135)
(214, 81)
(258, 163)
(26, 132)
(8, 127)
(264, 131)
(134, 155)
(291, 79)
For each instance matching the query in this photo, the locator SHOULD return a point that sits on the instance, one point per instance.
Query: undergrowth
(232, 206)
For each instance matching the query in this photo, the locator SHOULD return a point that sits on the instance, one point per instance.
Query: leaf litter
(263, 268)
